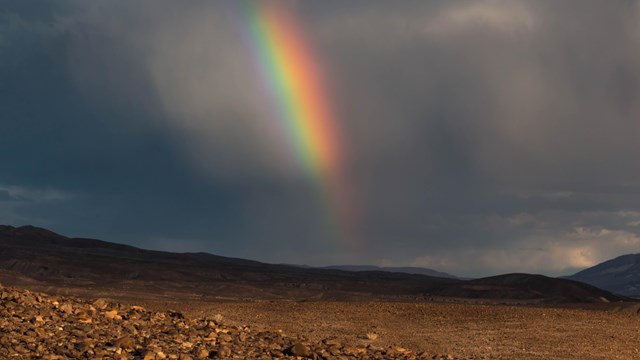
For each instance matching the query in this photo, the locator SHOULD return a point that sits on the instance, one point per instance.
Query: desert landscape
(55, 305)
(320, 179)
(59, 327)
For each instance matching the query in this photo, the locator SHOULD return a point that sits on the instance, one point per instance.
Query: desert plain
(460, 330)
(41, 326)
(65, 298)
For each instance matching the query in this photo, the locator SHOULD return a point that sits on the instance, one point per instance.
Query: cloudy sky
(479, 137)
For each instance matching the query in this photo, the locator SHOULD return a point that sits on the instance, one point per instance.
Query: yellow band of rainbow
(296, 84)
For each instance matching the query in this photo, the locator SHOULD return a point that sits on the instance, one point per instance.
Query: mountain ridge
(619, 275)
(43, 259)
(399, 269)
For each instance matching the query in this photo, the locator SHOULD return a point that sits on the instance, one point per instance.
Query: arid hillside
(42, 260)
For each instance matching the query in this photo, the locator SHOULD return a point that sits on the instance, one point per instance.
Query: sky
(476, 137)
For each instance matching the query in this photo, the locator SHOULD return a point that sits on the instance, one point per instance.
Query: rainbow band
(294, 80)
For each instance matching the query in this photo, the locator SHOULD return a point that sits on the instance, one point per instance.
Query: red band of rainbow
(295, 81)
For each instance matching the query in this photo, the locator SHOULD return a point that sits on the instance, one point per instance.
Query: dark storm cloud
(4, 195)
(483, 136)
(57, 134)
(499, 109)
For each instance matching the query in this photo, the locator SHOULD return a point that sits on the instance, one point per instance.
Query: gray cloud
(482, 136)
(558, 241)
(190, 61)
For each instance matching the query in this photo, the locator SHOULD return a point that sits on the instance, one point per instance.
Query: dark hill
(43, 260)
(528, 287)
(406, 270)
(620, 275)
(46, 260)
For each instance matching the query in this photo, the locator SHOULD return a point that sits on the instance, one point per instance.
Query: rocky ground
(186, 306)
(460, 329)
(39, 326)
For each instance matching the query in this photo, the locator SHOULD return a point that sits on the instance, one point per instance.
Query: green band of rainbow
(294, 78)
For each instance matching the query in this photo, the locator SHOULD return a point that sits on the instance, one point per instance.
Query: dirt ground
(462, 330)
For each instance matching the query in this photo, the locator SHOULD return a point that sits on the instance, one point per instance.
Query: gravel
(39, 326)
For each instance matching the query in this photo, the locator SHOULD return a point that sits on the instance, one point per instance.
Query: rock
(123, 342)
(353, 351)
(69, 328)
(203, 354)
(242, 337)
(176, 314)
(334, 350)
(85, 319)
(100, 304)
(330, 342)
(299, 349)
(113, 314)
(223, 352)
(224, 338)
(66, 308)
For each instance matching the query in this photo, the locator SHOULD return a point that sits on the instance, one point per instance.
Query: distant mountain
(46, 261)
(404, 270)
(41, 260)
(527, 286)
(620, 275)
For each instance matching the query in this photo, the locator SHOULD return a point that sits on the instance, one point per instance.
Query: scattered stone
(203, 354)
(113, 314)
(299, 349)
(39, 326)
(123, 342)
(334, 350)
(371, 336)
(100, 304)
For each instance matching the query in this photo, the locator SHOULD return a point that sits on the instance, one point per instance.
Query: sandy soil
(462, 330)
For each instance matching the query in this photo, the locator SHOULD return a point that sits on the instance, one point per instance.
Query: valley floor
(33, 325)
(462, 330)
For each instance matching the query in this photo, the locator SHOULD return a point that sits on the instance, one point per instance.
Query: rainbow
(295, 83)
